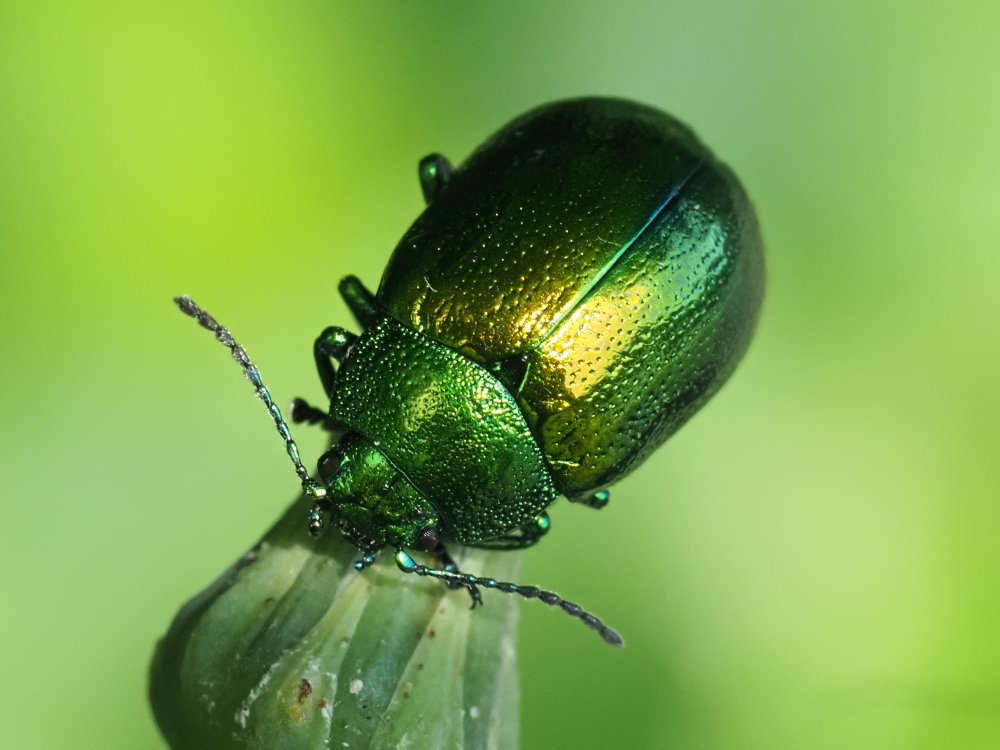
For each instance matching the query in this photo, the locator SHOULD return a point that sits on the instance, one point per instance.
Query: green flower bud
(293, 648)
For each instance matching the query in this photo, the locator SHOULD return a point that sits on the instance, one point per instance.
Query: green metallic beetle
(572, 294)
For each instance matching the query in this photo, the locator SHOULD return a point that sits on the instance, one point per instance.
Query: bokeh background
(813, 562)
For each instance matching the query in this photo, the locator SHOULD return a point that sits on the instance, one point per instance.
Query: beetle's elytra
(571, 295)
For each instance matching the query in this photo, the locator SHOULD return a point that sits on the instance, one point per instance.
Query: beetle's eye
(428, 539)
(329, 464)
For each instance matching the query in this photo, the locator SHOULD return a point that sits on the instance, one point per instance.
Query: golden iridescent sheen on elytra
(571, 295)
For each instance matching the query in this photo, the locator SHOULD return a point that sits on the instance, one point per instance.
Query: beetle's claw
(302, 411)
(317, 517)
(477, 598)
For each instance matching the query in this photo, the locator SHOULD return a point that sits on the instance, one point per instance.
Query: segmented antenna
(408, 565)
(224, 337)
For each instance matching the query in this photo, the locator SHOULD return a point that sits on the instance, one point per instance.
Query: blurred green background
(813, 562)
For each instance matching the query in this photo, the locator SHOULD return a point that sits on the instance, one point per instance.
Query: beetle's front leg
(449, 564)
(449, 572)
(317, 518)
(331, 344)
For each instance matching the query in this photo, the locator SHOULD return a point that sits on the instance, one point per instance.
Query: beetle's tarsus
(477, 598)
(302, 411)
(596, 500)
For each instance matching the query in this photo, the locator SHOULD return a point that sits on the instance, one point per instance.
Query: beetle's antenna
(408, 565)
(224, 337)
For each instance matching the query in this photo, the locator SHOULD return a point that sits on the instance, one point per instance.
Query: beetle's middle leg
(361, 301)
(526, 536)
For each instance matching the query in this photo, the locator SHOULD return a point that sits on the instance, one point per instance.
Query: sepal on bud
(292, 647)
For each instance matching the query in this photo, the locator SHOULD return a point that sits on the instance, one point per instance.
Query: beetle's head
(371, 502)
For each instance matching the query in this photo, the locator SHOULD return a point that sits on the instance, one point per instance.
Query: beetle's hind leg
(435, 171)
